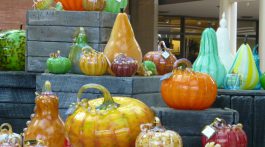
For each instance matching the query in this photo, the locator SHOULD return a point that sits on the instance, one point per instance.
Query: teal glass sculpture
(208, 60)
(257, 61)
(245, 66)
(114, 6)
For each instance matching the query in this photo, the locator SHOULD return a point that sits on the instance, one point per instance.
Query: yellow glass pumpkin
(154, 135)
(106, 122)
(93, 63)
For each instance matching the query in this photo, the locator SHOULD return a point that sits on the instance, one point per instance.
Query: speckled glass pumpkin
(8, 138)
(124, 66)
(106, 122)
(154, 135)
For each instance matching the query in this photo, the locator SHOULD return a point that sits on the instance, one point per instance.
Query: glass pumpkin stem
(108, 102)
(8, 126)
(47, 87)
(218, 122)
(246, 39)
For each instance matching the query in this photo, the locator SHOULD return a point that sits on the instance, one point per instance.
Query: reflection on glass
(232, 82)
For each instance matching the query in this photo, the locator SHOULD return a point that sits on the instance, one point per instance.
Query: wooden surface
(70, 18)
(259, 121)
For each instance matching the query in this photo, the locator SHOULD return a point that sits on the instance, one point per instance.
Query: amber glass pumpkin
(124, 66)
(163, 65)
(46, 125)
(226, 135)
(122, 40)
(106, 122)
(93, 63)
(72, 5)
(154, 135)
(188, 90)
(93, 5)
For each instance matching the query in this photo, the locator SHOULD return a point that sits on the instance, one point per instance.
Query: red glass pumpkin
(226, 135)
(124, 66)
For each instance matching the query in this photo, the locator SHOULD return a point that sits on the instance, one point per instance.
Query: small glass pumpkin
(8, 138)
(155, 135)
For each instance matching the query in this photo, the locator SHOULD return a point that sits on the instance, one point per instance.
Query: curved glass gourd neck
(209, 42)
(47, 104)
(81, 39)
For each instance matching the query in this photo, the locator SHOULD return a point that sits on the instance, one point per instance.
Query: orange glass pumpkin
(93, 5)
(106, 122)
(72, 5)
(46, 125)
(188, 90)
(163, 65)
(93, 63)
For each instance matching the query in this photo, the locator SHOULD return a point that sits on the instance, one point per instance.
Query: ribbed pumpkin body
(228, 136)
(208, 60)
(93, 63)
(245, 66)
(163, 65)
(114, 6)
(58, 64)
(46, 125)
(157, 136)
(108, 122)
(189, 90)
(123, 66)
(72, 5)
(12, 50)
(93, 5)
(122, 40)
(77, 50)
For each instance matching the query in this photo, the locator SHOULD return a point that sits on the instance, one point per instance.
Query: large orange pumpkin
(106, 122)
(188, 90)
(72, 5)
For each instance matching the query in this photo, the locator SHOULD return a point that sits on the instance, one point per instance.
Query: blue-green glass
(208, 59)
(232, 82)
(257, 61)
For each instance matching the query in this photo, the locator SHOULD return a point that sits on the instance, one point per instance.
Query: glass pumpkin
(93, 63)
(257, 61)
(107, 121)
(72, 5)
(224, 51)
(12, 53)
(93, 5)
(57, 64)
(155, 135)
(46, 124)
(188, 90)
(226, 135)
(208, 59)
(80, 44)
(8, 138)
(124, 66)
(114, 6)
(122, 40)
(245, 66)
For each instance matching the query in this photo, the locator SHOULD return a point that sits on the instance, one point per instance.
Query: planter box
(189, 124)
(16, 98)
(49, 31)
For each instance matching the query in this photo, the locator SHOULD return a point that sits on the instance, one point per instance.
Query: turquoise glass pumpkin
(224, 52)
(80, 43)
(57, 64)
(257, 61)
(244, 65)
(208, 60)
(114, 6)
(12, 50)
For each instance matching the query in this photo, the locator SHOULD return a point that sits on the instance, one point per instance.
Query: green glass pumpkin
(262, 80)
(12, 50)
(114, 6)
(208, 59)
(150, 67)
(57, 64)
(244, 65)
(80, 43)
